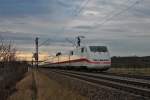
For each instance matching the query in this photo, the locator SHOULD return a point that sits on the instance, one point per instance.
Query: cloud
(84, 27)
(126, 33)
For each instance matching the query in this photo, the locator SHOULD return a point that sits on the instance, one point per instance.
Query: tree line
(131, 61)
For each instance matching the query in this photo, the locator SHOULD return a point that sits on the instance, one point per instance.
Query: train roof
(94, 44)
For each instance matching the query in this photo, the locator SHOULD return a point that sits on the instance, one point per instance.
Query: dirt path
(47, 89)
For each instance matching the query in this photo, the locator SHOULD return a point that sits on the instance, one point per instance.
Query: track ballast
(131, 85)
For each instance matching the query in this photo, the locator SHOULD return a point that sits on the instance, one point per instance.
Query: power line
(45, 42)
(108, 15)
(70, 41)
(119, 13)
(74, 12)
(82, 7)
(77, 12)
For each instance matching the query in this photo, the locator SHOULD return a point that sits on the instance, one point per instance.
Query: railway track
(131, 85)
(127, 75)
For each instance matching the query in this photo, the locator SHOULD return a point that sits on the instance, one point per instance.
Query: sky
(124, 25)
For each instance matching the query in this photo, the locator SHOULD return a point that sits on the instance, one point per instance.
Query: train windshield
(98, 48)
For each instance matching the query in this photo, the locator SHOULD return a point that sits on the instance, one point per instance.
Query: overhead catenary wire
(82, 7)
(84, 3)
(109, 14)
(70, 41)
(76, 12)
(43, 43)
(109, 18)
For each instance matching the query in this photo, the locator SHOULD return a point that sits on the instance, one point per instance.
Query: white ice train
(88, 56)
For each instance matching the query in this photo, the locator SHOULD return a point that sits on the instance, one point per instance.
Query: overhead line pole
(37, 51)
(36, 54)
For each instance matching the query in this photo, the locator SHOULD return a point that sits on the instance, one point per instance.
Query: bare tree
(7, 51)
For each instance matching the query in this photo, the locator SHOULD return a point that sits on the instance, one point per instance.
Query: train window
(82, 50)
(98, 48)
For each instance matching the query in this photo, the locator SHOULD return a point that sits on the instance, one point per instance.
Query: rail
(131, 85)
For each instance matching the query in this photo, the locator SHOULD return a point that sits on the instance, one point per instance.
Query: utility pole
(36, 54)
(37, 51)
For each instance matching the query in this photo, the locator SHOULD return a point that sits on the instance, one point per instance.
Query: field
(131, 71)
(131, 65)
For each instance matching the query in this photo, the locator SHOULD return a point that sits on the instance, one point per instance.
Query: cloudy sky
(124, 25)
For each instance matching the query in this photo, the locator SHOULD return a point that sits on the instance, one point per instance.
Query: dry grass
(131, 71)
(46, 89)
(51, 90)
(24, 91)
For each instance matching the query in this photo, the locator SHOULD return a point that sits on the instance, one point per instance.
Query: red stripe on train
(84, 60)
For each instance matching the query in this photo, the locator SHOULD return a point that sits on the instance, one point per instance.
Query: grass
(51, 90)
(24, 89)
(47, 89)
(131, 71)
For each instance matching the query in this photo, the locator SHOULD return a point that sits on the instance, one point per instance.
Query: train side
(89, 56)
